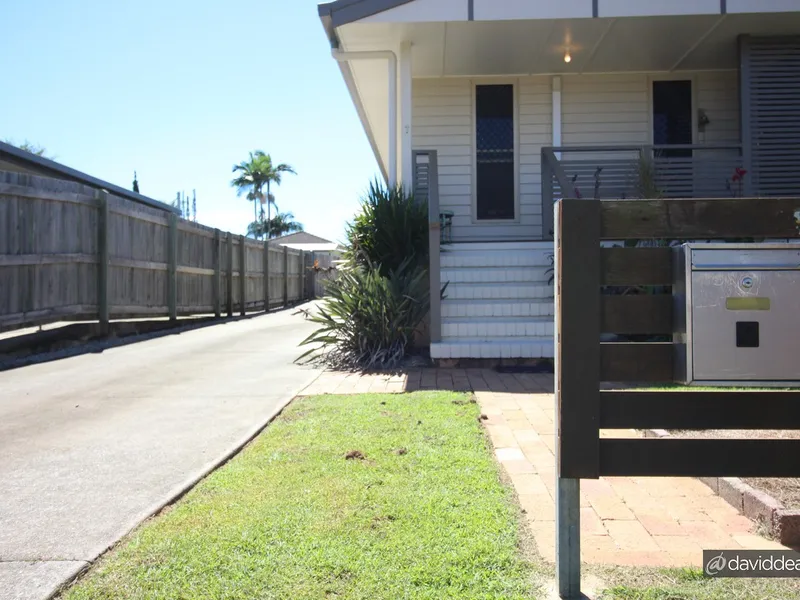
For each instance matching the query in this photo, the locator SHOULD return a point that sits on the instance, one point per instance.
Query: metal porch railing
(620, 172)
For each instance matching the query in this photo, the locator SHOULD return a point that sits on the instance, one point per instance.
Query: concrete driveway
(92, 445)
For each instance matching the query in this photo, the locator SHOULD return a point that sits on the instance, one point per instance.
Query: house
(324, 251)
(15, 160)
(495, 108)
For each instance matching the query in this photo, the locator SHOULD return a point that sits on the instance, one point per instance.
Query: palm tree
(280, 224)
(254, 174)
(273, 174)
(251, 178)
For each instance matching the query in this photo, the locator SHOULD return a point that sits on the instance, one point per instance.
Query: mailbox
(737, 314)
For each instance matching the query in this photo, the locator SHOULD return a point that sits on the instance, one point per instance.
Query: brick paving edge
(783, 523)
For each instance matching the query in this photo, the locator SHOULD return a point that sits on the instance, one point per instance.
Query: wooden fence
(583, 312)
(68, 252)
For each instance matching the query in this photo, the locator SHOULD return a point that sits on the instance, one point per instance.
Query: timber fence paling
(69, 251)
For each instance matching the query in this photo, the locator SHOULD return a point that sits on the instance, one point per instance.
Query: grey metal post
(217, 285)
(242, 275)
(266, 275)
(285, 276)
(172, 268)
(229, 280)
(548, 227)
(103, 309)
(746, 113)
(426, 185)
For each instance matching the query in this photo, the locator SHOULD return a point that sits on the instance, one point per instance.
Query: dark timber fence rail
(586, 308)
(69, 252)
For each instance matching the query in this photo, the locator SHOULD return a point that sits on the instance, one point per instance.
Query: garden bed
(785, 490)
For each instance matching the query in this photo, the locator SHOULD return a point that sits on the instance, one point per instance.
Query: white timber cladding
(613, 109)
(443, 121)
(616, 109)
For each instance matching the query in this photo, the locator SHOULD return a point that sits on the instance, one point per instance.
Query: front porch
(493, 110)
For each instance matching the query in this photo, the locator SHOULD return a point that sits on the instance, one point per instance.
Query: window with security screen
(494, 151)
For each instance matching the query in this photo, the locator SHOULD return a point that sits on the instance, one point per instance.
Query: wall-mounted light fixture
(702, 119)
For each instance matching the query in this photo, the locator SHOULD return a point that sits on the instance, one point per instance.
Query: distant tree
(280, 224)
(253, 176)
(135, 183)
(29, 147)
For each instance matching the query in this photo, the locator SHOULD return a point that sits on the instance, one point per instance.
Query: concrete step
(493, 291)
(497, 308)
(461, 328)
(497, 275)
(528, 348)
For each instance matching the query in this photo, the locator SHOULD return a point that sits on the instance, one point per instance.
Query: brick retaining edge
(782, 523)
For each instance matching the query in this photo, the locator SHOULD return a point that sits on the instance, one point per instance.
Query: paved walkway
(624, 520)
(93, 444)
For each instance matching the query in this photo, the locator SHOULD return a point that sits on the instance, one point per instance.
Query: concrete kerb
(179, 491)
(782, 523)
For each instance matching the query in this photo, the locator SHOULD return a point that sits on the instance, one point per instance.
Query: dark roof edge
(342, 12)
(59, 171)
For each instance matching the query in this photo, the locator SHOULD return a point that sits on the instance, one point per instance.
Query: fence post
(577, 397)
(242, 275)
(285, 276)
(266, 276)
(229, 281)
(103, 309)
(217, 274)
(172, 267)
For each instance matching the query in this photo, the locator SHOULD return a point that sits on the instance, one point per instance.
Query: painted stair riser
(467, 309)
(496, 275)
(544, 349)
(493, 259)
(506, 291)
(499, 329)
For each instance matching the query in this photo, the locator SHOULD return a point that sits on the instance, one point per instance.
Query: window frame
(474, 83)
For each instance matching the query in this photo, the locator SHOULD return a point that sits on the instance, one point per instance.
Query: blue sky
(180, 91)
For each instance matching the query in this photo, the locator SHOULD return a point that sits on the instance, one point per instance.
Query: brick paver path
(624, 520)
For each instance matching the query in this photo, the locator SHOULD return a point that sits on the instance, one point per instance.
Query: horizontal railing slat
(636, 362)
(722, 218)
(636, 266)
(637, 314)
(673, 457)
(695, 410)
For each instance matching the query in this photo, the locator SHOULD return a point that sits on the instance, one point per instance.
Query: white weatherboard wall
(616, 109)
(443, 120)
(612, 109)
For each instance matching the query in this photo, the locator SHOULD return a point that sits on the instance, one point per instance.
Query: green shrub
(391, 228)
(367, 320)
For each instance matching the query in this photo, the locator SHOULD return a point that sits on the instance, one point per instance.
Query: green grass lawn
(419, 513)
(690, 584)
(423, 514)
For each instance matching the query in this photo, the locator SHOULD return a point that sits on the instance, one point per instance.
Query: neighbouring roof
(38, 165)
(299, 237)
(330, 247)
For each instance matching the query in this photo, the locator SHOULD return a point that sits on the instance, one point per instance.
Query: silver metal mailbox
(737, 314)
